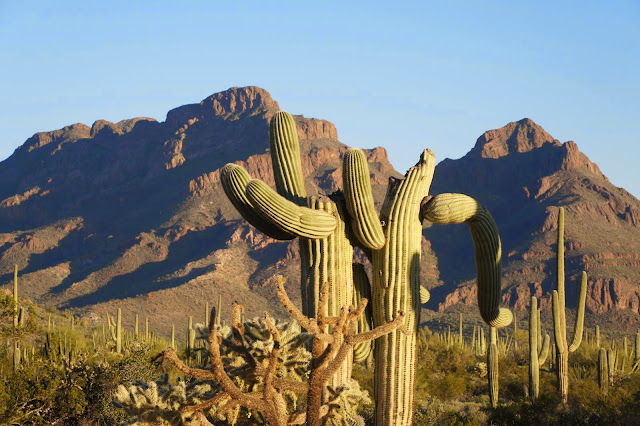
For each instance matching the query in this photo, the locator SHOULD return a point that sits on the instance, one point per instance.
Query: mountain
(522, 174)
(132, 214)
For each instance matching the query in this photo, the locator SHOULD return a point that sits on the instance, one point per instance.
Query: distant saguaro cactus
(603, 371)
(493, 368)
(15, 298)
(536, 356)
(559, 317)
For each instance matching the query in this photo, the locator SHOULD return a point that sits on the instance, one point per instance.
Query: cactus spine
(536, 356)
(493, 368)
(559, 318)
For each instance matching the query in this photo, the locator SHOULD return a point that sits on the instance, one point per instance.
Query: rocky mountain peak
(238, 99)
(518, 136)
(235, 100)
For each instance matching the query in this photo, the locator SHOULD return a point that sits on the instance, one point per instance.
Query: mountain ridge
(132, 213)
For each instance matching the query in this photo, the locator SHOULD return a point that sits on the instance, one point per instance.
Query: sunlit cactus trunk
(396, 287)
(328, 260)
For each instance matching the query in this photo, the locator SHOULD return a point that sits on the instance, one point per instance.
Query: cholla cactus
(248, 369)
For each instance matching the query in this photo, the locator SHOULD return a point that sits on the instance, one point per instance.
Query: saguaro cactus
(119, 332)
(536, 356)
(603, 371)
(559, 318)
(392, 240)
(493, 369)
(637, 350)
(320, 222)
(15, 297)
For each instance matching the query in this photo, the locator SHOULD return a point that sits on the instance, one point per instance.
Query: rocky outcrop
(517, 137)
(70, 133)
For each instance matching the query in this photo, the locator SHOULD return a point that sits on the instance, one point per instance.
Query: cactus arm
(424, 295)
(579, 326)
(544, 352)
(300, 221)
(285, 156)
(357, 191)
(234, 181)
(362, 290)
(560, 273)
(458, 208)
(557, 324)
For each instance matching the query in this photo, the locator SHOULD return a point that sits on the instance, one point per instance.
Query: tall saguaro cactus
(320, 222)
(329, 227)
(536, 356)
(559, 318)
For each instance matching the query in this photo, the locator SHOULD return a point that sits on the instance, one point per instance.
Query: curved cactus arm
(357, 192)
(285, 156)
(234, 181)
(458, 208)
(557, 323)
(579, 326)
(544, 352)
(300, 221)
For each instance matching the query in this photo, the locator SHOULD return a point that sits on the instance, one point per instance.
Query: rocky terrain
(132, 214)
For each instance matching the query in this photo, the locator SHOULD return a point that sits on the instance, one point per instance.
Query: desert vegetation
(357, 352)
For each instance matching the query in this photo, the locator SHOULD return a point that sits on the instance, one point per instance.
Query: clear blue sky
(402, 75)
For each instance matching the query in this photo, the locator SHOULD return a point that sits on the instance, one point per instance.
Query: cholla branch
(330, 349)
(308, 323)
(198, 373)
